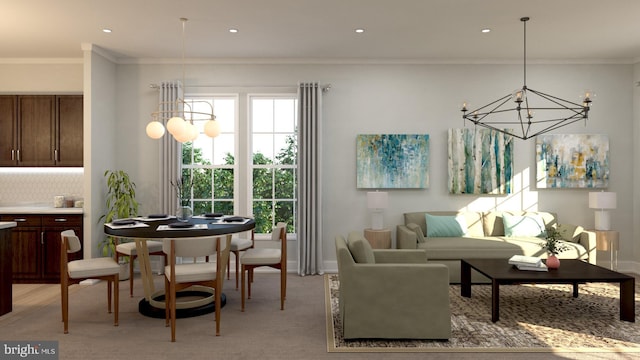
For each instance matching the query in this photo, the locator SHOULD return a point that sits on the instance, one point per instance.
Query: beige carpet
(533, 318)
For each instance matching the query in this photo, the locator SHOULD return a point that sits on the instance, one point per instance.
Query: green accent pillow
(446, 226)
(361, 250)
(416, 228)
(522, 226)
(570, 232)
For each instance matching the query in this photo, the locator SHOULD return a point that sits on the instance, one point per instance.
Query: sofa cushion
(472, 218)
(521, 226)
(492, 221)
(361, 250)
(570, 232)
(445, 226)
(418, 230)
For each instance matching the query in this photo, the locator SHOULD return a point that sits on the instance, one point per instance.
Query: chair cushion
(130, 247)
(418, 230)
(361, 250)
(267, 256)
(238, 244)
(87, 268)
(192, 272)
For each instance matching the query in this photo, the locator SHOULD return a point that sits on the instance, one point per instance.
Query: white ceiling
(323, 30)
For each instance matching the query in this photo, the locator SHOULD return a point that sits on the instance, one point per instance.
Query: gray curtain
(310, 179)
(170, 149)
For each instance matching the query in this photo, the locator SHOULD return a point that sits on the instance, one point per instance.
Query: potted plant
(554, 246)
(121, 203)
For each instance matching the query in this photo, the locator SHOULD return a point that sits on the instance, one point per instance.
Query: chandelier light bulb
(212, 128)
(155, 130)
(465, 106)
(175, 125)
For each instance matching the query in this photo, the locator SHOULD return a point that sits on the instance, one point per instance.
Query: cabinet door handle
(18, 152)
(20, 220)
(42, 238)
(60, 220)
(55, 155)
(13, 154)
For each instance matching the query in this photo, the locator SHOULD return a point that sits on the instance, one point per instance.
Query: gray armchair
(391, 294)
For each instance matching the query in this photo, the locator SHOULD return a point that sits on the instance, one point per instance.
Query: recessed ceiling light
(233, 31)
(486, 30)
(359, 30)
(106, 30)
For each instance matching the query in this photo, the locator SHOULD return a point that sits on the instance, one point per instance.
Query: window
(251, 167)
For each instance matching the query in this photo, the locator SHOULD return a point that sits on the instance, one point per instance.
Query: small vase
(553, 262)
(184, 213)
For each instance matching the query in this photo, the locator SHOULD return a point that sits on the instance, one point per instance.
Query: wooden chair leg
(109, 296)
(283, 284)
(116, 298)
(237, 254)
(64, 289)
(242, 290)
(131, 260)
(167, 299)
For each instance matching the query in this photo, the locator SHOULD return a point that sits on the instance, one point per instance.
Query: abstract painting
(480, 161)
(572, 161)
(392, 161)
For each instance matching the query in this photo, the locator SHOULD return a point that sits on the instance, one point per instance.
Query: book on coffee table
(541, 267)
(525, 260)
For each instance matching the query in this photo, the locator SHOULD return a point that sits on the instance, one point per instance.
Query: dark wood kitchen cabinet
(36, 245)
(41, 130)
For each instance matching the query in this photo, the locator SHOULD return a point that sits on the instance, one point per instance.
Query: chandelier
(535, 112)
(182, 114)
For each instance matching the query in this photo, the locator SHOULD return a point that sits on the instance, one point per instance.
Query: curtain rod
(324, 88)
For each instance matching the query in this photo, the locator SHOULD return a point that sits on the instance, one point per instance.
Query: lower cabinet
(36, 245)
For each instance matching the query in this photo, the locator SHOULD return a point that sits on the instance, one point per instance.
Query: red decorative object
(553, 262)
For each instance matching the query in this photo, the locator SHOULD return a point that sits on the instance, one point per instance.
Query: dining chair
(275, 257)
(238, 245)
(181, 276)
(72, 272)
(129, 249)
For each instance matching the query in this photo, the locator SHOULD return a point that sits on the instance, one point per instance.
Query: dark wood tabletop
(213, 228)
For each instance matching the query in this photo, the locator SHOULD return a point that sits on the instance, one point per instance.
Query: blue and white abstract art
(392, 161)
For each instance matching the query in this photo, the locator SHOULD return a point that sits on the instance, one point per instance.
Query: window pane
(284, 115)
(224, 147)
(285, 183)
(262, 183)
(287, 149)
(223, 184)
(262, 213)
(263, 145)
(202, 183)
(262, 115)
(284, 212)
(201, 207)
(225, 207)
(225, 112)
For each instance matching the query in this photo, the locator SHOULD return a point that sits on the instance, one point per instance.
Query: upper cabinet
(41, 130)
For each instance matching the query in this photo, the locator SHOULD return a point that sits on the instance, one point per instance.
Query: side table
(607, 240)
(379, 239)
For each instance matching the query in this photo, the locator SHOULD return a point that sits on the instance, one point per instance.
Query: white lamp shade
(155, 130)
(602, 200)
(212, 128)
(176, 125)
(377, 200)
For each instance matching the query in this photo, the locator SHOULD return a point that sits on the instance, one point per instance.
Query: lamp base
(376, 220)
(603, 221)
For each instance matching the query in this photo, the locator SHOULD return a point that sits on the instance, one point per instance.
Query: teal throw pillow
(446, 226)
(523, 226)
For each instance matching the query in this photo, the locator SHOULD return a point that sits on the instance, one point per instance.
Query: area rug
(533, 318)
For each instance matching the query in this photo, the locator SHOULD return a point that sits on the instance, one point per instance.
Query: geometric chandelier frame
(535, 112)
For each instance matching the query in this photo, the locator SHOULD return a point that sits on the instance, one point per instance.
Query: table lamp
(377, 201)
(603, 201)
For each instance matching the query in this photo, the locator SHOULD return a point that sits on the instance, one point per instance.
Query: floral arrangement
(553, 244)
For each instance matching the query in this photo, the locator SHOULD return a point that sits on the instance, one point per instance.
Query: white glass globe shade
(212, 128)
(192, 132)
(176, 125)
(183, 137)
(155, 130)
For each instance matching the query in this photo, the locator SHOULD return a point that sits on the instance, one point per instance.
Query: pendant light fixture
(535, 112)
(183, 114)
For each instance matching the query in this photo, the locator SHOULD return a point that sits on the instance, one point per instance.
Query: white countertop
(39, 210)
(7, 224)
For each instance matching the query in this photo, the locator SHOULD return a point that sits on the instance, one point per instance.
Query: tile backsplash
(38, 186)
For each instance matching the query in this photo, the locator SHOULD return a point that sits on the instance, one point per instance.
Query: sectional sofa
(451, 236)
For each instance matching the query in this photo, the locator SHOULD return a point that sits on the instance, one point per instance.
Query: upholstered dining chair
(129, 249)
(238, 245)
(275, 257)
(182, 276)
(72, 272)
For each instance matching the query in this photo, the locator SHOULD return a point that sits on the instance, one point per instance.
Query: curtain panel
(310, 258)
(170, 149)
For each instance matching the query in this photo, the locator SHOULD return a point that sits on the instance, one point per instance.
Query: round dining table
(154, 227)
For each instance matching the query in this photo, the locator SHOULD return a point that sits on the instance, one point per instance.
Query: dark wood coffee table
(500, 272)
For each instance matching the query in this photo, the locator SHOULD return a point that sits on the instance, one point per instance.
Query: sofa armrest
(588, 240)
(406, 238)
(404, 256)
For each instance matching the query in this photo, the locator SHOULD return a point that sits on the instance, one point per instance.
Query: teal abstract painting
(480, 161)
(572, 161)
(392, 161)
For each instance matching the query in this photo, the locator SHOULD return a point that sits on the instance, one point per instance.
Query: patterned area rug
(533, 318)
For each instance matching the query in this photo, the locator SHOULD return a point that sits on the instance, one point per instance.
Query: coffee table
(500, 272)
